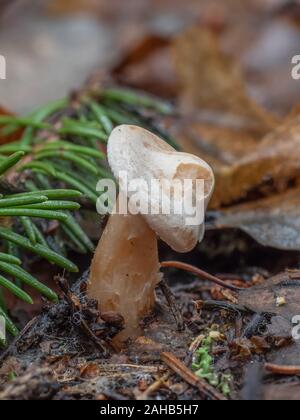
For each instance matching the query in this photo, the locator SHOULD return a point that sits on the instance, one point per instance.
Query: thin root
(199, 273)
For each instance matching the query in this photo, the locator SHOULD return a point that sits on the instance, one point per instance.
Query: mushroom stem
(125, 271)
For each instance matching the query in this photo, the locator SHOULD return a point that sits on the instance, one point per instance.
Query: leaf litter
(66, 351)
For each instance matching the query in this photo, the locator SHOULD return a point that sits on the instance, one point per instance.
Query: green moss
(203, 366)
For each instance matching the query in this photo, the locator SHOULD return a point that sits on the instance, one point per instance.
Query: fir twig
(64, 162)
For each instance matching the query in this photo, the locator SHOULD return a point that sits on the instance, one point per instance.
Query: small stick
(283, 370)
(172, 304)
(155, 386)
(189, 377)
(199, 273)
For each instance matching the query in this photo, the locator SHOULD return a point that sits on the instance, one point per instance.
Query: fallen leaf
(279, 328)
(212, 82)
(275, 162)
(148, 65)
(287, 356)
(222, 124)
(282, 392)
(273, 222)
(244, 348)
(219, 293)
(262, 298)
(89, 371)
(221, 142)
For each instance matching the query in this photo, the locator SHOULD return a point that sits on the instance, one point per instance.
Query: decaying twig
(154, 387)
(189, 377)
(283, 370)
(199, 273)
(172, 304)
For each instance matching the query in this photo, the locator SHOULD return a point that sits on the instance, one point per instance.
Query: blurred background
(53, 46)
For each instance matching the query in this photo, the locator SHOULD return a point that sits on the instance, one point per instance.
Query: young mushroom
(125, 268)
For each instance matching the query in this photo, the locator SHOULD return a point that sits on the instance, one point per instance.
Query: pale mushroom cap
(144, 156)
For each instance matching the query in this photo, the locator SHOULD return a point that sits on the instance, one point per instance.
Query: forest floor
(237, 106)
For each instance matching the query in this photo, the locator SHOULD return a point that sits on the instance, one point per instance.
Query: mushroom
(125, 268)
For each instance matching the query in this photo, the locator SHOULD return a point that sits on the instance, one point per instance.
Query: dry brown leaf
(148, 65)
(221, 122)
(218, 144)
(243, 348)
(90, 370)
(282, 391)
(273, 222)
(212, 82)
(274, 162)
(263, 298)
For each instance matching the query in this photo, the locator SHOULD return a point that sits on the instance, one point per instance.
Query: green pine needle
(137, 99)
(10, 259)
(66, 146)
(41, 214)
(7, 284)
(39, 236)
(29, 228)
(14, 147)
(38, 249)
(76, 230)
(102, 117)
(70, 156)
(55, 205)
(16, 201)
(79, 247)
(82, 130)
(50, 194)
(24, 277)
(9, 324)
(10, 162)
(22, 122)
